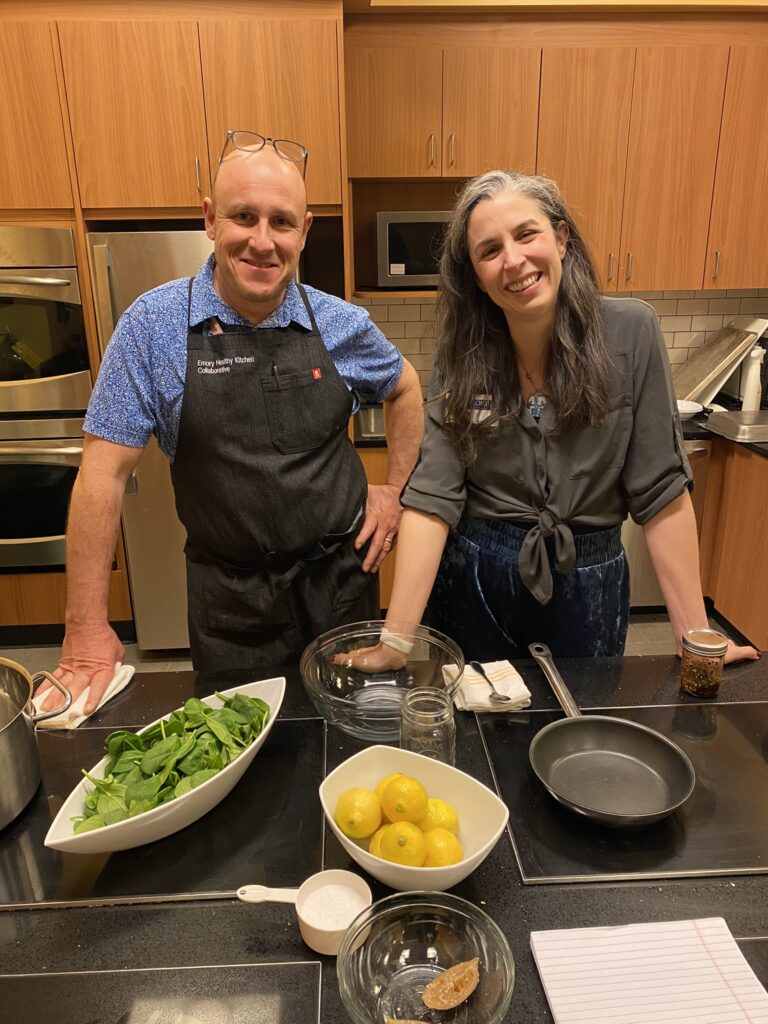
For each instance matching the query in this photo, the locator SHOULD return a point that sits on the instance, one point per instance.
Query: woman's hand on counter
(88, 658)
(736, 653)
(380, 658)
(382, 521)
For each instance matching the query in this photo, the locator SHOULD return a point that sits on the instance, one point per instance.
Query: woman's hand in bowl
(379, 658)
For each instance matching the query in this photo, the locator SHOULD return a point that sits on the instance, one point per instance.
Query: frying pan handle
(543, 657)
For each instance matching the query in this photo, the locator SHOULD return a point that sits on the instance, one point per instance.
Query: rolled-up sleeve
(438, 483)
(656, 468)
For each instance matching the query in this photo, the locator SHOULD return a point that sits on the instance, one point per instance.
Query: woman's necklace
(537, 401)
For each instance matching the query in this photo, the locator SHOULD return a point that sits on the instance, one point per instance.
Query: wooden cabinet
(34, 173)
(375, 461)
(430, 112)
(736, 560)
(489, 110)
(135, 99)
(280, 78)
(737, 255)
(394, 112)
(584, 108)
(675, 122)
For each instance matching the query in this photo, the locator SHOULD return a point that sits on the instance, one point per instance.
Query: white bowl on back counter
(169, 817)
(687, 410)
(482, 815)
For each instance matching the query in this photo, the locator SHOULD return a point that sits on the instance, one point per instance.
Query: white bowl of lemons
(411, 822)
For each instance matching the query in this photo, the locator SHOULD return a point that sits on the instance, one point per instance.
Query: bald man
(248, 381)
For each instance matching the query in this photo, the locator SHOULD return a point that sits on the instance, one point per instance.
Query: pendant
(536, 403)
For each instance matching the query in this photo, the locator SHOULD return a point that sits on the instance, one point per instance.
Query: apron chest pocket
(305, 412)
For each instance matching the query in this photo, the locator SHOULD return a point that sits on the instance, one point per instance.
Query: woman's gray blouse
(634, 463)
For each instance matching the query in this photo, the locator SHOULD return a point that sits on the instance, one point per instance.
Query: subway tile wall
(687, 319)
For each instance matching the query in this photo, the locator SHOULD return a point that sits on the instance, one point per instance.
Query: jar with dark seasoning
(701, 668)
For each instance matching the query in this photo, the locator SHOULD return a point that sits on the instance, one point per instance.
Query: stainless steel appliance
(123, 266)
(43, 351)
(45, 384)
(39, 459)
(408, 244)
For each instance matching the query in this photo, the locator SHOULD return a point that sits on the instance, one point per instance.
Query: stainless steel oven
(43, 349)
(39, 460)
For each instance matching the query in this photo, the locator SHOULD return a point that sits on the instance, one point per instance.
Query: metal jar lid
(705, 641)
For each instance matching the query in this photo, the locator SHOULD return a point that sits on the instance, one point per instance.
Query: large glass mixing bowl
(393, 949)
(365, 701)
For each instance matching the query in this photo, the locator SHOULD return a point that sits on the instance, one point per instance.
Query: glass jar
(701, 668)
(427, 725)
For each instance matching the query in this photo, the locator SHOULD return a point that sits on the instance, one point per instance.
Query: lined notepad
(675, 972)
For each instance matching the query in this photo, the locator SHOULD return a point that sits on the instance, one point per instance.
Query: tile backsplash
(687, 319)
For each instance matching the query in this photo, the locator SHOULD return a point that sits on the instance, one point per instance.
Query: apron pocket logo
(317, 373)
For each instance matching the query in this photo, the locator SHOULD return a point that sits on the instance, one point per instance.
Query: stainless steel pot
(19, 758)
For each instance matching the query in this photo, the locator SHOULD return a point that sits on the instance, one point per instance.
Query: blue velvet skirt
(480, 601)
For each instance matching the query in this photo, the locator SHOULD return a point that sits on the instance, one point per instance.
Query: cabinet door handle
(610, 267)
(629, 266)
(432, 149)
(717, 264)
(452, 149)
(197, 175)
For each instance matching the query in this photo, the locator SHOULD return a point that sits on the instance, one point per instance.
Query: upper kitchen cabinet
(737, 256)
(394, 112)
(135, 99)
(489, 110)
(278, 77)
(677, 104)
(34, 173)
(586, 95)
(433, 112)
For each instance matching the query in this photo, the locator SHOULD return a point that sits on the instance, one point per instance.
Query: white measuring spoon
(266, 894)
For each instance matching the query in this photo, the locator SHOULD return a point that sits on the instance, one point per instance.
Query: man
(248, 380)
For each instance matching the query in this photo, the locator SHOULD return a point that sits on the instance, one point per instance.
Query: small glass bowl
(394, 948)
(366, 704)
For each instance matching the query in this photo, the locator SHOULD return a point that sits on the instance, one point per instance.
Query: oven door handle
(16, 451)
(47, 282)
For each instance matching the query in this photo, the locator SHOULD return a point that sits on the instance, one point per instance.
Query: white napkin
(474, 693)
(74, 716)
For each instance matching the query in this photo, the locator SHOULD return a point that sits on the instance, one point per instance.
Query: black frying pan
(607, 769)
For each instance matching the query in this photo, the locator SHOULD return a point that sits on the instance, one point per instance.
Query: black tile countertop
(238, 956)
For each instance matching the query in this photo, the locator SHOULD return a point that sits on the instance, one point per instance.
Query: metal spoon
(499, 698)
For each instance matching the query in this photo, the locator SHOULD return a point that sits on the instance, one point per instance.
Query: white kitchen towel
(675, 972)
(73, 716)
(474, 693)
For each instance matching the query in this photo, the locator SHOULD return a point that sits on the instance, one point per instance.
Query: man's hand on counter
(382, 520)
(88, 658)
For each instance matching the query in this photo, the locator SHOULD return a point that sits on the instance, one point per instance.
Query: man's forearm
(94, 518)
(404, 418)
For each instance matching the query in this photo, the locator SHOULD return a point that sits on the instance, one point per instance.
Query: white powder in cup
(332, 907)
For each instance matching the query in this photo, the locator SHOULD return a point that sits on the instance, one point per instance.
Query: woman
(551, 417)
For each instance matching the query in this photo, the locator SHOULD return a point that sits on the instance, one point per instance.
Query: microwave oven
(409, 247)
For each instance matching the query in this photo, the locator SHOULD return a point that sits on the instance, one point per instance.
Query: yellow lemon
(404, 799)
(404, 843)
(384, 783)
(443, 848)
(358, 813)
(440, 814)
(374, 846)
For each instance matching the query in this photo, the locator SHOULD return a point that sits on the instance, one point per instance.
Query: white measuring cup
(322, 920)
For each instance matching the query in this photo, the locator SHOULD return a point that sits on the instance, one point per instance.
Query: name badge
(480, 407)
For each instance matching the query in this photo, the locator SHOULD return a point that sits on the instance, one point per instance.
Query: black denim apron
(271, 493)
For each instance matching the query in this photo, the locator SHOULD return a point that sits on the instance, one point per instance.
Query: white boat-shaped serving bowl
(482, 815)
(177, 814)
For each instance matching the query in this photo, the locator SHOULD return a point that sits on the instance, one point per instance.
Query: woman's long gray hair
(474, 355)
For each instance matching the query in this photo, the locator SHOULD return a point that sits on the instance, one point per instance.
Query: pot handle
(543, 658)
(41, 716)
